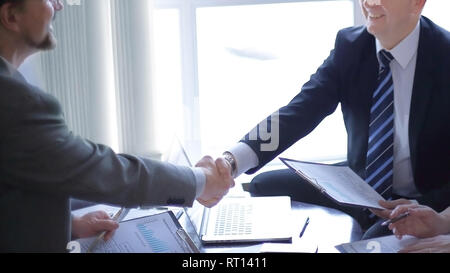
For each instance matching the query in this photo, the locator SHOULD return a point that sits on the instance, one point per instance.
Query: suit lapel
(7, 70)
(371, 68)
(4, 70)
(369, 74)
(422, 88)
(363, 83)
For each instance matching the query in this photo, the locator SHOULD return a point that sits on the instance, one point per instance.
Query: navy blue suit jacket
(348, 76)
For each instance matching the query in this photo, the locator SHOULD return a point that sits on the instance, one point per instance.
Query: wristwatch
(229, 157)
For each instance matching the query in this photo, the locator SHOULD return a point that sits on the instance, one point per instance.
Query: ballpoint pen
(304, 227)
(398, 218)
(117, 217)
(179, 214)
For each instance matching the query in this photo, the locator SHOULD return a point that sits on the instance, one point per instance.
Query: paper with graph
(339, 183)
(160, 233)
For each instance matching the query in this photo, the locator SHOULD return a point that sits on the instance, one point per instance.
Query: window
(238, 61)
(231, 63)
(253, 59)
(437, 10)
(167, 75)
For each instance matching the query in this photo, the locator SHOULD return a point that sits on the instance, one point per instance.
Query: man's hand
(218, 180)
(438, 244)
(92, 224)
(389, 206)
(422, 222)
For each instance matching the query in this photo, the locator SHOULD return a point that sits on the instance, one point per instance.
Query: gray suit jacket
(43, 164)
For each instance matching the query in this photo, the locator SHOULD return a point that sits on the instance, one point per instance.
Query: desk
(327, 228)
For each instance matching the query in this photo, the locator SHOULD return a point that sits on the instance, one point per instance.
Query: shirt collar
(406, 49)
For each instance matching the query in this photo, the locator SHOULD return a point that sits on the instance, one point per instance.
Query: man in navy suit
(398, 54)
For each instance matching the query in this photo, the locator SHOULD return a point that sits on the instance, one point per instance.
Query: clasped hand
(218, 180)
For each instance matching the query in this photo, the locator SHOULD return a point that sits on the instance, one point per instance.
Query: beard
(48, 43)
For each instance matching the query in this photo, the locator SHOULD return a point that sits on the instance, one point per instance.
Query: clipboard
(158, 233)
(385, 244)
(339, 183)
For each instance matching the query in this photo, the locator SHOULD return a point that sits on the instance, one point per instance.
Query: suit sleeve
(318, 98)
(38, 153)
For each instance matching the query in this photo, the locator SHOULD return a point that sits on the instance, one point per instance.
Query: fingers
(424, 246)
(106, 225)
(390, 206)
(399, 236)
(394, 203)
(218, 180)
(206, 161)
(209, 203)
(102, 222)
(101, 215)
(400, 209)
(109, 226)
(401, 229)
(224, 169)
(109, 235)
(381, 213)
(91, 224)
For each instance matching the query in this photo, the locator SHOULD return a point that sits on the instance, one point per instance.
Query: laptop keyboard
(234, 219)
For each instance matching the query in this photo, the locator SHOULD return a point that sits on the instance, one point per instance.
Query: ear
(9, 17)
(418, 6)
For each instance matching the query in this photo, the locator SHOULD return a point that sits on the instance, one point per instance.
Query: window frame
(189, 55)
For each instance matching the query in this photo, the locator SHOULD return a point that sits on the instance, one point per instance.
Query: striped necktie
(380, 154)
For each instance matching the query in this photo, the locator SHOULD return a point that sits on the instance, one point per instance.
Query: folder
(339, 183)
(159, 233)
(385, 244)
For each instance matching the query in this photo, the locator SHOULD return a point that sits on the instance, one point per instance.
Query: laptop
(236, 219)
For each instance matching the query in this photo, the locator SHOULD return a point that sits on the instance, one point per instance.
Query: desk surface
(327, 228)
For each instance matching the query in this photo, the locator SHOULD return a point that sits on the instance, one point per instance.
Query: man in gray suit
(43, 165)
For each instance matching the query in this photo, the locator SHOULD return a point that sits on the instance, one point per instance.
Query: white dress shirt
(403, 69)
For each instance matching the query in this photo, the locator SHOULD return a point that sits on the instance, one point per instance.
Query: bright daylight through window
(244, 61)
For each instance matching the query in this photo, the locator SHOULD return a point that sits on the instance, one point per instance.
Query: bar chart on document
(148, 234)
(152, 234)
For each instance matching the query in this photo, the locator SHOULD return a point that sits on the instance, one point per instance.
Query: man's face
(388, 18)
(36, 23)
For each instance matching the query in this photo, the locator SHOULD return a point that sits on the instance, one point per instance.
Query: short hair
(11, 1)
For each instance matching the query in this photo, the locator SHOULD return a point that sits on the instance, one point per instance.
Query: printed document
(160, 233)
(339, 183)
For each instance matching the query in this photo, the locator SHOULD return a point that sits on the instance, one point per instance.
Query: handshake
(218, 180)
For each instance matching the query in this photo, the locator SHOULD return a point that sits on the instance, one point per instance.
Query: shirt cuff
(245, 157)
(200, 180)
